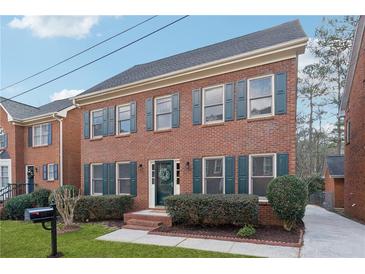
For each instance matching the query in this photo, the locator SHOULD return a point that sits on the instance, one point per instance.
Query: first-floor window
(4, 176)
(97, 178)
(123, 178)
(50, 174)
(262, 173)
(213, 175)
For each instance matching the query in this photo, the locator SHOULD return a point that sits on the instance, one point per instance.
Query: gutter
(60, 120)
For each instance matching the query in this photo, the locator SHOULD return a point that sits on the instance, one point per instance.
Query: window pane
(97, 117)
(37, 140)
(123, 170)
(44, 139)
(45, 129)
(260, 185)
(97, 171)
(163, 105)
(163, 121)
(124, 186)
(262, 166)
(97, 130)
(213, 168)
(37, 131)
(124, 126)
(214, 113)
(213, 96)
(97, 186)
(124, 113)
(261, 106)
(260, 87)
(214, 185)
(50, 171)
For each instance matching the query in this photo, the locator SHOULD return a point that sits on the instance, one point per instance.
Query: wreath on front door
(164, 174)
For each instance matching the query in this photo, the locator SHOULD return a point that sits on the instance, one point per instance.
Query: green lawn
(22, 239)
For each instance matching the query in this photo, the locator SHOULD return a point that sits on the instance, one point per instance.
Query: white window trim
(48, 178)
(7, 162)
(33, 135)
(117, 118)
(250, 185)
(91, 124)
(203, 104)
(223, 172)
(272, 97)
(91, 179)
(155, 113)
(117, 177)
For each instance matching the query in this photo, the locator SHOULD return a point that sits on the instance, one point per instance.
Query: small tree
(288, 198)
(66, 200)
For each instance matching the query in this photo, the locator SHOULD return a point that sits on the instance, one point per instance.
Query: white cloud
(56, 26)
(307, 58)
(65, 93)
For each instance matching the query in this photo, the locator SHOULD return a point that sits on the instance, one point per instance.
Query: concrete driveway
(329, 235)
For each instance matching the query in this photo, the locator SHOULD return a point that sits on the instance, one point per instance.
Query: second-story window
(2, 138)
(97, 123)
(40, 135)
(213, 101)
(163, 113)
(124, 119)
(260, 92)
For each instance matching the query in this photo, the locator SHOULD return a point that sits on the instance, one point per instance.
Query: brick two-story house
(217, 119)
(39, 146)
(352, 105)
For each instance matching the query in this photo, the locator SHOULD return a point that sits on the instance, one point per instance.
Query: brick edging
(227, 238)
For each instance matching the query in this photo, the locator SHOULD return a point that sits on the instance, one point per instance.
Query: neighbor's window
(123, 178)
(348, 131)
(262, 173)
(213, 104)
(260, 92)
(213, 176)
(40, 135)
(2, 138)
(4, 176)
(124, 119)
(163, 113)
(97, 123)
(50, 171)
(97, 179)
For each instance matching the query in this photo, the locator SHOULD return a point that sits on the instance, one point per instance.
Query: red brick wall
(240, 137)
(336, 187)
(355, 150)
(267, 216)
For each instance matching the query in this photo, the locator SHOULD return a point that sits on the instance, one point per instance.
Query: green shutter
(105, 122)
(229, 103)
(241, 103)
(133, 116)
(45, 172)
(282, 165)
(30, 136)
(55, 171)
(86, 124)
(49, 133)
(149, 113)
(133, 175)
(197, 175)
(111, 120)
(111, 178)
(243, 174)
(175, 110)
(280, 93)
(86, 179)
(229, 175)
(105, 179)
(197, 106)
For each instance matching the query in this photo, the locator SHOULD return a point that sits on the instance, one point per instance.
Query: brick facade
(239, 137)
(355, 149)
(335, 186)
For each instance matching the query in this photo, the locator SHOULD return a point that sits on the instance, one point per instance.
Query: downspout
(61, 148)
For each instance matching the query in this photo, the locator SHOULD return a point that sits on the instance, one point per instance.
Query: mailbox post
(44, 215)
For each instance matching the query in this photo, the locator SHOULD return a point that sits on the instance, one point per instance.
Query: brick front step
(139, 227)
(141, 222)
(147, 218)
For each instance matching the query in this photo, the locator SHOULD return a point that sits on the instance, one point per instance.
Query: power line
(95, 60)
(79, 53)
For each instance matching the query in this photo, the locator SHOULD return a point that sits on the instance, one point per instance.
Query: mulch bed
(270, 235)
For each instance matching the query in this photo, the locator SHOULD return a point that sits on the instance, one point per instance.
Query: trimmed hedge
(40, 197)
(99, 208)
(213, 209)
(288, 197)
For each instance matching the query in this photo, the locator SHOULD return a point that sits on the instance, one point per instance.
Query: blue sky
(31, 44)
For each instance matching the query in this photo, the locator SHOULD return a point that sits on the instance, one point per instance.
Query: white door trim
(26, 177)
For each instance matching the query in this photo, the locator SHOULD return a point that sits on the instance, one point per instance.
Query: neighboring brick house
(353, 106)
(334, 179)
(39, 146)
(218, 119)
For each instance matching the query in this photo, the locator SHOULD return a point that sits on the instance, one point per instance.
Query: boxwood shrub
(213, 209)
(288, 197)
(40, 197)
(99, 208)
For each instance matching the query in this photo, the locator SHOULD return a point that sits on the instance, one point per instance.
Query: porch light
(187, 165)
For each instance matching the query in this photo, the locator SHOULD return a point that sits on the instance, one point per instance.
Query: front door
(29, 179)
(164, 177)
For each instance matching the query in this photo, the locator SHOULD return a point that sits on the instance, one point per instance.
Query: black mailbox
(39, 214)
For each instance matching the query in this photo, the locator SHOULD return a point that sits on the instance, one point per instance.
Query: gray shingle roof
(261, 39)
(335, 165)
(22, 111)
